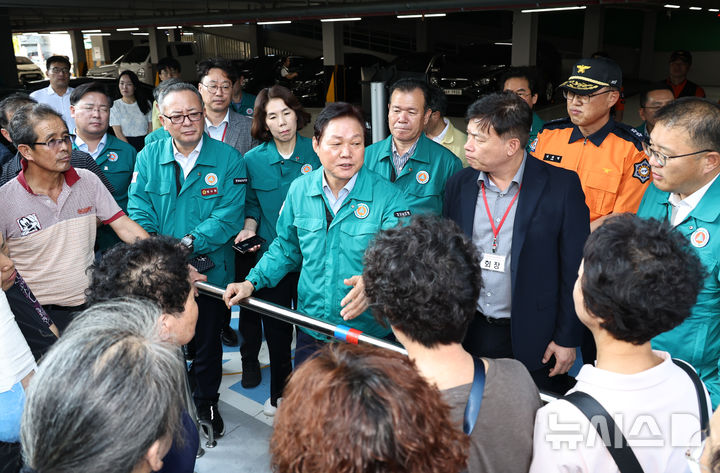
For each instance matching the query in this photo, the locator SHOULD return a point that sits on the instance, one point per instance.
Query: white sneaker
(269, 409)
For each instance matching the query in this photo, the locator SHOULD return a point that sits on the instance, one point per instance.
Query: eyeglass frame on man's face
(662, 158)
(180, 118)
(213, 88)
(584, 99)
(55, 143)
(60, 70)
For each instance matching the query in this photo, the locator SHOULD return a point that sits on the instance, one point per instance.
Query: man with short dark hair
(413, 162)
(652, 98)
(440, 129)
(679, 65)
(192, 187)
(168, 68)
(13, 166)
(529, 221)
(216, 78)
(684, 154)
(431, 320)
(90, 108)
(605, 154)
(243, 102)
(523, 82)
(50, 213)
(57, 94)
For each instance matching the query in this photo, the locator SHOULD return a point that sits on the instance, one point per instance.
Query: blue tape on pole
(341, 332)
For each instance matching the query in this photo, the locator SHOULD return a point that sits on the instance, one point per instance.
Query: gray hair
(176, 87)
(104, 393)
(22, 125)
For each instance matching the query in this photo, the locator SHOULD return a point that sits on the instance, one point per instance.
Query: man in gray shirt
(529, 223)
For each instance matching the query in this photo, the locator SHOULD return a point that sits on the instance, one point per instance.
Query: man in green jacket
(90, 108)
(410, 160)
(192, 187)
(685, 163)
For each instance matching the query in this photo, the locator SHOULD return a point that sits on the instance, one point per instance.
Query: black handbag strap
(472, 409)
(702, 402)
(623, 455)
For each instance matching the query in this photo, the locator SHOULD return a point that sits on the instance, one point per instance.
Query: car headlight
(482, 82)
(434, 80)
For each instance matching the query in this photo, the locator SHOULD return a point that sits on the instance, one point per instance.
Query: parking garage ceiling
(48, 15)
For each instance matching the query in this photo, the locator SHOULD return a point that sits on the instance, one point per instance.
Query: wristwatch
(188, 241)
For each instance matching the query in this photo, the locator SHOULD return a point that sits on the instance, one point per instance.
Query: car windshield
(22, 60)
(137, 54)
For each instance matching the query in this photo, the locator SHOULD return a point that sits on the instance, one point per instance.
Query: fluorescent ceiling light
(539, 10)
(90, 31)
(140, 34)
(187, 34)
(279, 22)
(427, 15)
(127, 29)
(219, 25)
(695, 8)
(30, 32)
(330, 20)
(58, 32)
(97, 34)
(409, 16)
(435, 15)
(166, 27)
(503, 44)
(714, 10)
(670, 5)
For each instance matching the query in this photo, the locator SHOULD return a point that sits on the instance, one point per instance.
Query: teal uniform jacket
(424, 176)
(537, 125)
(328, 254)
(117, 161)
(159, 134)
(269, 178)
(697, 339)
(210, 205)
(246, 106)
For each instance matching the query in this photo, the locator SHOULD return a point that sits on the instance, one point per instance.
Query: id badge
(493, 262)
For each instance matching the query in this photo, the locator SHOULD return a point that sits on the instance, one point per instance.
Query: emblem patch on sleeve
(642, 171)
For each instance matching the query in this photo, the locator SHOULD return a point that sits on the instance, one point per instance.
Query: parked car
(27, 71)
(259, 72)
(111, 71)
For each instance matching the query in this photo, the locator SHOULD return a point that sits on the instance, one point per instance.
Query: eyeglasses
(60, 70)
(212, 88)
(178, 119)
(662, 158)
(55, 143)
(571, 96)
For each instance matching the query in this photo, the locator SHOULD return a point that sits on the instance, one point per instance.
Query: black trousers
(207, 366)
(62, 315)
(493, 340)
(37, 333)
(277, 333)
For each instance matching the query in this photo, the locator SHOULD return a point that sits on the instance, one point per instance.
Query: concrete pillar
(524, 39)
(593, 30)
(77, 43)
(647, 46)
(422, 36)
(8, 75)
(332, 41)
(257, 47)
(157, 39)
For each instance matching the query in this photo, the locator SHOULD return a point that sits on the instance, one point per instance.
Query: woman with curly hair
(354, 409)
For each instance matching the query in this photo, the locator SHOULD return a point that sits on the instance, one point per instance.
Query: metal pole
(378, 110)
(340, 332)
